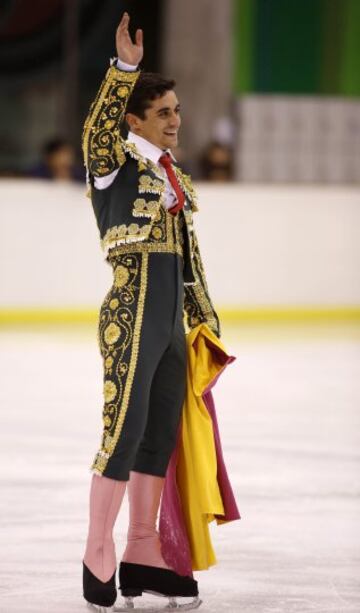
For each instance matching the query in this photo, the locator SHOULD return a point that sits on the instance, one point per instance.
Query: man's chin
(171, 142)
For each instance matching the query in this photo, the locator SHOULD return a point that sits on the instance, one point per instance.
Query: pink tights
(106, 496)
(143, 542)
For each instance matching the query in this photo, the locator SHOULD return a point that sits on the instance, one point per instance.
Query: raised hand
(127, 51)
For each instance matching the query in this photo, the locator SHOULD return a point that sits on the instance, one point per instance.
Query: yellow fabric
(197, 465)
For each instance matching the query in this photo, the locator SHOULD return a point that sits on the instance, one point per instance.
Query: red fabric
(175, 544)
(165, 161)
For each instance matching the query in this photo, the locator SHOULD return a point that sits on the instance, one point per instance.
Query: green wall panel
(332, 37)
(297, 46)
(350, 60)
(244, 51)
(288, 46)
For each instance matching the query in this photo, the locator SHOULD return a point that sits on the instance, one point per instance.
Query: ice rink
(289, 414)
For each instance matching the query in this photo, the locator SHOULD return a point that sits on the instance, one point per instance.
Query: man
(143, 204)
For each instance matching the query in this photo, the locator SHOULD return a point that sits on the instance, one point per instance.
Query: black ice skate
(99, 596)
(138, 578)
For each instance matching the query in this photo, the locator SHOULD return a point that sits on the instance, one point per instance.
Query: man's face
(162, 122)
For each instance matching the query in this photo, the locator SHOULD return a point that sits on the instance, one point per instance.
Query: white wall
(261, 245)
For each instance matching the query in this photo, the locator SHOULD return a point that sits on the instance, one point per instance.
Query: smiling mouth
(170, 133)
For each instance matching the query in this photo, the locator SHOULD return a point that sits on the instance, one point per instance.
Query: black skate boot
(99, 596)
(138, 578)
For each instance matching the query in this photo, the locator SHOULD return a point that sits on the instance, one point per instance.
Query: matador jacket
(127, 211)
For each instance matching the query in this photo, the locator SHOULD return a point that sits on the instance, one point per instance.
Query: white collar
(147, 149)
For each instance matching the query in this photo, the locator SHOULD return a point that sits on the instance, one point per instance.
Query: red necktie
(165, 161)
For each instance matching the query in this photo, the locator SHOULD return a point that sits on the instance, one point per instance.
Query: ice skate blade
(171, 606)
(99, 609)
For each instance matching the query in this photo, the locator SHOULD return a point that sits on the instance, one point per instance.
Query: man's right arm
(101, 135)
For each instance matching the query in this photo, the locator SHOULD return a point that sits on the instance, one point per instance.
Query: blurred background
(269, 88)
(270, 96)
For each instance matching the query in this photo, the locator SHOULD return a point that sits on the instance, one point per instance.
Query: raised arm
(101, 135)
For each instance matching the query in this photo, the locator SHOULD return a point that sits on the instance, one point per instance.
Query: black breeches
(142, 342)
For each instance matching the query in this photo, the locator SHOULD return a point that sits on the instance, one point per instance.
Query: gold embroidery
(101, 133)
(111, 334)
(156, 170)
(119, 151)
(109, 123)
(156, 232)
(121, 276)
(119, 235)
(149, 185)
(166, 236)
(206, 307)
(179, 231)
(135, 345)
(100, 463)
(108, 441)
(145, 209)
(109, 362)
(143, 163)
(197, 303)
(123, 91)
(144, 248)
(120, 324)
(132, 150)
(109, 391)
(187, 187)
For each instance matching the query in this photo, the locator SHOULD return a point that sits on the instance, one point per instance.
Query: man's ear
(133, 121)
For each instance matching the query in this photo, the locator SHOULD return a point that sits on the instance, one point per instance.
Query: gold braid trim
(187, 187)
(134, 351)
(121, 317)
(149, 185)
(123, 234)
(143, 163)
(206, 307)
(101, 135)
(165, 237)
(144, 248)
(198, 305)
(145, 209)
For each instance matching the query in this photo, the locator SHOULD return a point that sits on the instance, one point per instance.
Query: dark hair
(148, 87)
(54, 145)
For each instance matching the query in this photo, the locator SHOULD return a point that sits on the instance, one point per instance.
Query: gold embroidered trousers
(142, 341)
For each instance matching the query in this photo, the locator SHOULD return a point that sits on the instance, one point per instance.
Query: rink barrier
(16, 316)
(277, 247)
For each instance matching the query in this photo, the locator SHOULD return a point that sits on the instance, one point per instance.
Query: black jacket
(126, 211)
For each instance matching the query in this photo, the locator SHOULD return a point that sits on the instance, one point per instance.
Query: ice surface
(289, 413)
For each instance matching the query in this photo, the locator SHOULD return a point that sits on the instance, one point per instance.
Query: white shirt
(147, 150)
